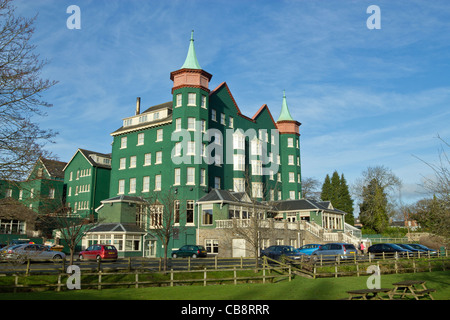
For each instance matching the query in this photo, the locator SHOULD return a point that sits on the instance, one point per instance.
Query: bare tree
(434, 213)
(310, 188)
(21, 140)
(164, 213)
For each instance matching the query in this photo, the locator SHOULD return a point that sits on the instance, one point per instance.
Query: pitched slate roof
(88, 153)
(54, 167)
(305, 204)
(218, 195)
(117, 227)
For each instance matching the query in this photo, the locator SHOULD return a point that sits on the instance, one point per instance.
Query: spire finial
(285, 114)
(191, 61)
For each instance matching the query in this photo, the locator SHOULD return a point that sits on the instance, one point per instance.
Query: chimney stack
(138, 105)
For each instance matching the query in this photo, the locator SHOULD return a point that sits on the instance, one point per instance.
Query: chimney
(138, 105)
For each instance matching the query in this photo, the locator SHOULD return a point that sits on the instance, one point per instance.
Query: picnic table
(411, 288)
(369, 294)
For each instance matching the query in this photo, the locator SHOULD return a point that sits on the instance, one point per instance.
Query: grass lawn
(298, 289)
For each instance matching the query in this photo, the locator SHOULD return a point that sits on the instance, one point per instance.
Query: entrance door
(238, 248)
(150, 249)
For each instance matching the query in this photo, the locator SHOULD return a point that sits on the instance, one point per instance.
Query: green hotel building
(197, 161)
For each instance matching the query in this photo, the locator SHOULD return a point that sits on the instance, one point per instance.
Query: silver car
(335, 251)
(35, 252)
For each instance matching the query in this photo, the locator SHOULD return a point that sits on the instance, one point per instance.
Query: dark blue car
(276, 252)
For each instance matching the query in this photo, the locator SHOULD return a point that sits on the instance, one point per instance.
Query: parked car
(335, 251)
(388, 248)
(277, 251)
(308, 249)
(35, 252)
(410, 248)
(99, 252)
(424, 248)
(189, 250)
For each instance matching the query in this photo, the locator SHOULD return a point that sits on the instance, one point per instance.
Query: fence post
(242, 263)
(204, 277)
(137, 278)
(99, 280)
(234, 275)
(264, 273)
(28, 267)
(171, 277)
(189, 263)
(129, 263)
(290, 273)
(215, 262)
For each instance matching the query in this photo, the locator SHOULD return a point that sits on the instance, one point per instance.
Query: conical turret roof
(191, 61)
(285, 114)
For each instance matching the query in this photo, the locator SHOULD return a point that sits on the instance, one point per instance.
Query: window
(256, 167)
(238, 185)
(177, 124)
(207, 216)
(291, 177)
(191, 124)
(256, 147)
(147, 159)
(177, 176)
(140, 139)
(191, 148)
(212, 246)
(121, 186)
(143, 118)
(123, 142)
(158, 157)
(238, 162)
(203, 105)
(257, 190)
(123, 163)
(178, 101)
(132, 242)
(279, 195)
(192, 97)
(8, 193)
(158, 182)
(176, 211)
(202, 177)
(292, 195)
(238, 141)
(222, 118)
(203, 124)
(213, 114)
(70, 176)
(190, 211)
(133, 162)
(159, 135)
(217, 182)
(132, 185)
(51, 193)
(177, 149)
(156, 216)
(231, 124)
(190, 176)
(291, 160)
(290, 142)
(146, 184)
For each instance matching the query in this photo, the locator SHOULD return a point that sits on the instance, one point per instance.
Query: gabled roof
(54, 168)
(305, 204)
(87, 154)
(219, 195)
(252, 119)
(117, 227)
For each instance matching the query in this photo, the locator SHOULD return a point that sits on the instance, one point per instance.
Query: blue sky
(364, 97)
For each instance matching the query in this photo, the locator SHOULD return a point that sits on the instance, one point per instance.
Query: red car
(99, 252)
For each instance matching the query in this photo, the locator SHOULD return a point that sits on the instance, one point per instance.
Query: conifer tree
(326, 189)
